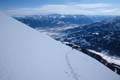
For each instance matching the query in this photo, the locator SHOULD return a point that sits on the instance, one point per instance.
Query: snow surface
(106, 57)
(26, 54)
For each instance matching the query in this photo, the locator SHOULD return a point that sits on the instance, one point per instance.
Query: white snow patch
(62, 16)
(106, 57)
(61, 22)
(96, 33)
(75, 16)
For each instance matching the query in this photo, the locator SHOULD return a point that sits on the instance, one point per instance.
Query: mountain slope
(26, 54)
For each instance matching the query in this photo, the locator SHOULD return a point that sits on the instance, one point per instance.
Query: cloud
(71, 8)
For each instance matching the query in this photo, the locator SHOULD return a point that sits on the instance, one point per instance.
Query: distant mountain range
(98, 33)
(57, 20)
(98, 36)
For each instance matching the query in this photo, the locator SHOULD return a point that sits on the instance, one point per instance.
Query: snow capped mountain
(98, 33)
(54, 20)
(26, 54)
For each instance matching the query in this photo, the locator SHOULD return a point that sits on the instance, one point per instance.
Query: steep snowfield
(26, 54)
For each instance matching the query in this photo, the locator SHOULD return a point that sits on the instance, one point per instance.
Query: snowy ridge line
(111, 63)
(108, 58)
(112, 66)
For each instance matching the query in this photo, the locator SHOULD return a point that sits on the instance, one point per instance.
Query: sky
(87, 7)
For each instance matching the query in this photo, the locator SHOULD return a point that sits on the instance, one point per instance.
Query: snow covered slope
(26, 54)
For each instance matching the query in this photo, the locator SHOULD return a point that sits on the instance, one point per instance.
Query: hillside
(26, 54)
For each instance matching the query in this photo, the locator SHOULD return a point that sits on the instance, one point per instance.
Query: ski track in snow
(74, 74)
